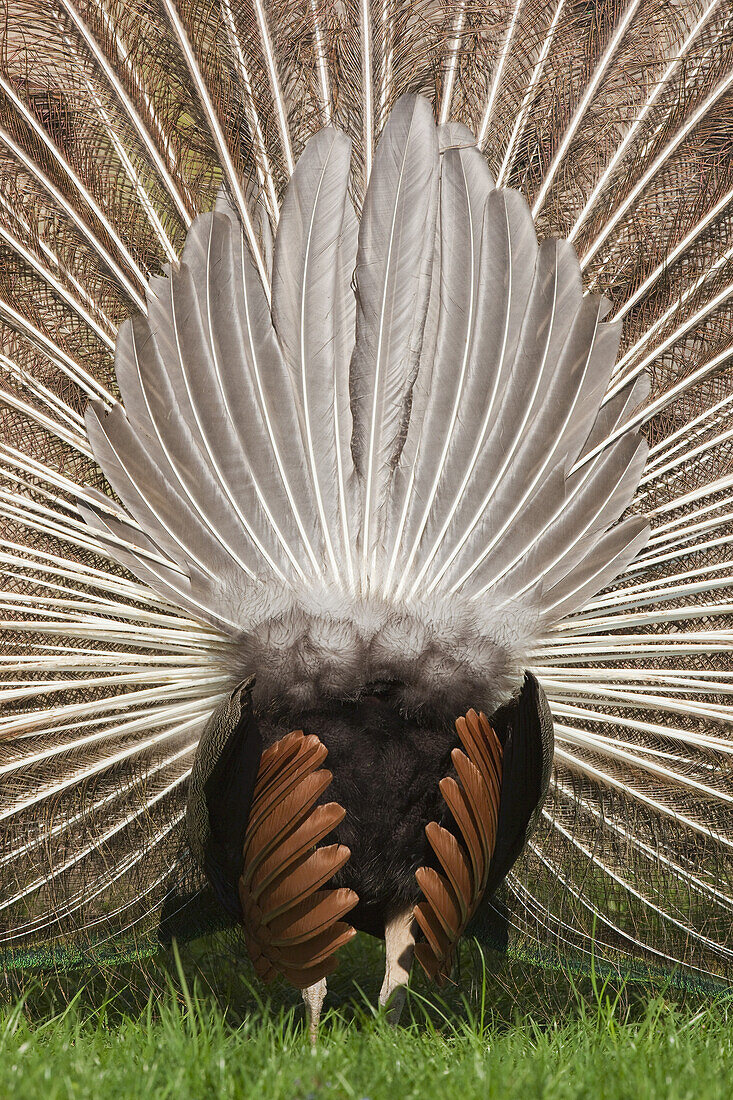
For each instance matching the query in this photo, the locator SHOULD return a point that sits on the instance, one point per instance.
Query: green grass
(166, 1028)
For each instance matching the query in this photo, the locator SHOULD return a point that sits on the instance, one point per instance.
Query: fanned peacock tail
(120, 124)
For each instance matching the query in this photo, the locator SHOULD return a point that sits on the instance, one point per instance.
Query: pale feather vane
(465, 183)
(313, 310)
(393, 271)
(292, 386)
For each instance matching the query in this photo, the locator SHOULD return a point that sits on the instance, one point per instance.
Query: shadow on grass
(213, 978)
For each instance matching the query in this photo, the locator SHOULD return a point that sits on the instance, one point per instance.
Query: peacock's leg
(399, 938)
(314, 996)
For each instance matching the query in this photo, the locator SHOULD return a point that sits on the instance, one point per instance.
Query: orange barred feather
(292, 921)
(451, 899)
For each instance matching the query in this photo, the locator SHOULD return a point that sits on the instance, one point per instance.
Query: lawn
(159, 1029)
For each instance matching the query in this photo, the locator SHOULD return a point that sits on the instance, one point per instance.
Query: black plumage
(386, 770)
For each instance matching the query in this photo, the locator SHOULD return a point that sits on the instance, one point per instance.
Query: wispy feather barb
(365, 425)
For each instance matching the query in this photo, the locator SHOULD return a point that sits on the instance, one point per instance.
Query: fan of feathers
(122, 123)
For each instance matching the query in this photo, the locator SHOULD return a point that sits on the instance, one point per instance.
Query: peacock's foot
(399, 938)
(314, 996)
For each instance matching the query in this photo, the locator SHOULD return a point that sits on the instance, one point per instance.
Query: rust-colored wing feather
(450, 899)
(292, 923)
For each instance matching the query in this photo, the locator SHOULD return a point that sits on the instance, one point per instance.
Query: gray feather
(531, 386)
(313, 308)
(601, 499)
(181, 588)
(258, 389)
(508, 251)
(396, 246)
(616, 412)
(563, 522)
(182, 450)
(605, 560)
(465, 184)
(564, 408)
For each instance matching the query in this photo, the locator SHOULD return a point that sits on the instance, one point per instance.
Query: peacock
(366, 481)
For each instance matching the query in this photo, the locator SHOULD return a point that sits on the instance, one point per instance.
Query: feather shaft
(586, 99)
(217, 134)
